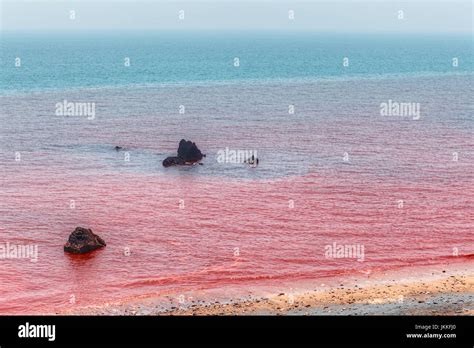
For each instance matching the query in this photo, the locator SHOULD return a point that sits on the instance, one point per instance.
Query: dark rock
(118, 148)
(82, 240)
(252, 161)
(172, 161)
(188, 153)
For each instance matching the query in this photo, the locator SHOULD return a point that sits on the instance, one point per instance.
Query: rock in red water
(82, 241)
(188, 152)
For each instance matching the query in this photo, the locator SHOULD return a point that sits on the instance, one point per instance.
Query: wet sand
(446, 290)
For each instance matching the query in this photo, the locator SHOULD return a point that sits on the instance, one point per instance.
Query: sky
(450, 16)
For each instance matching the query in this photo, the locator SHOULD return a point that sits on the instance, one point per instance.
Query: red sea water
(336, 171)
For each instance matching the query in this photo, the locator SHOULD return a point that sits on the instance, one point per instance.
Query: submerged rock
(83, 240)
(188, 153)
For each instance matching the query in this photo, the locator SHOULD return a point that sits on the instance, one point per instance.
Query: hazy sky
(339, 15)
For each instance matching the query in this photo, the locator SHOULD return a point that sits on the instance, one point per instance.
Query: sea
(365, 146)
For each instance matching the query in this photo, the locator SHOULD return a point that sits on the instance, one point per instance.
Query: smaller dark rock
(83, 240)
(118, 148)
(173, 161)
(252, 161)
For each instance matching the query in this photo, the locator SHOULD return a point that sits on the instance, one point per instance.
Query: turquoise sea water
(97, 59)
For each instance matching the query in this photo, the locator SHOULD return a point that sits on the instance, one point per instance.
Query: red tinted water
(234, 229)
(177, 248)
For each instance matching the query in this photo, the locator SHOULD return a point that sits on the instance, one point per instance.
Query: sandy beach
(434, 290)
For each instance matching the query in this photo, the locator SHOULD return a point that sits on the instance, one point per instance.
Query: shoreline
(446, 289)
